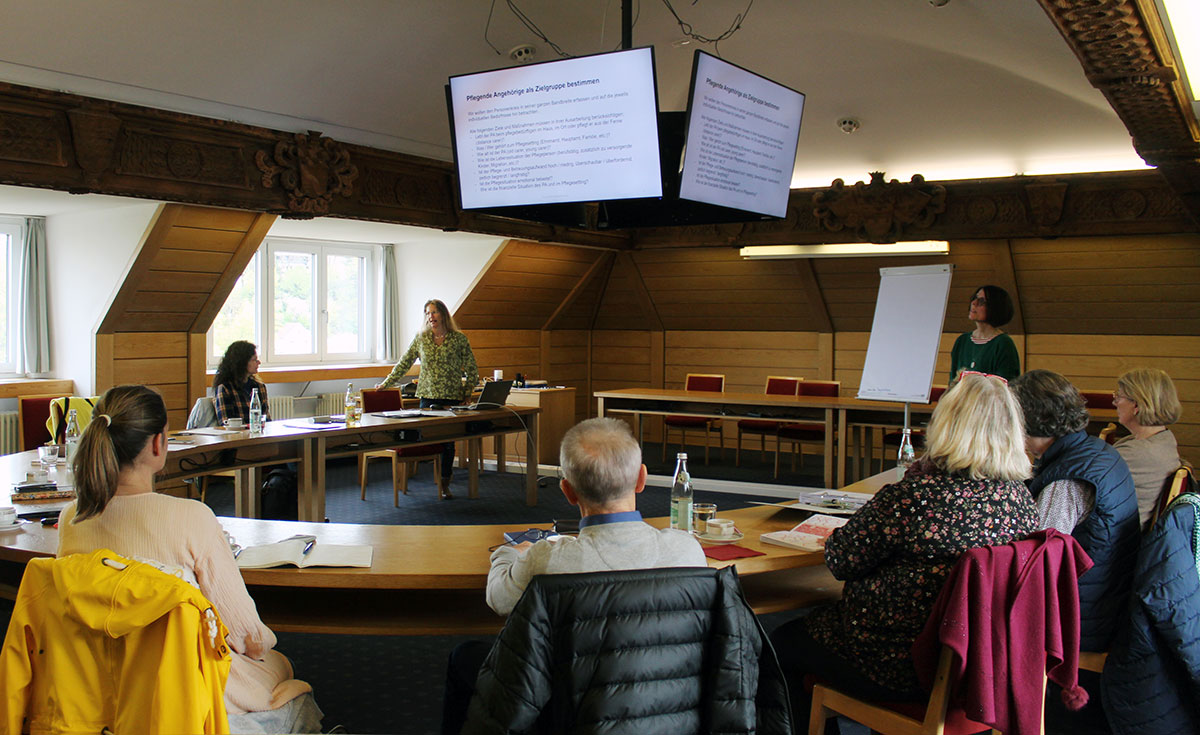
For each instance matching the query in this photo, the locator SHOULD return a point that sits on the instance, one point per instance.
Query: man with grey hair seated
(602, 475)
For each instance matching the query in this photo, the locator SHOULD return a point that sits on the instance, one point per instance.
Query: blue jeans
(448, 448)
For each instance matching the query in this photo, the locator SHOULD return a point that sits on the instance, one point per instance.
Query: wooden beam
(235, 266)
(601, 263)
(156, 232)
(655, 322)
(1006, 278)
(812, 291)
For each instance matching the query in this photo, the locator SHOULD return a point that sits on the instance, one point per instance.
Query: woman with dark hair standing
(987, 349)
(116, 508)
(235, 383)
(448, 371)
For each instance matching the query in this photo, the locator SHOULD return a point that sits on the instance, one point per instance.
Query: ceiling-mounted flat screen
(742, 132)
(574, 130)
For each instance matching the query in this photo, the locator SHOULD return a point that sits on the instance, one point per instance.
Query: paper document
(838, 502)
(807, 536)
(291, 552)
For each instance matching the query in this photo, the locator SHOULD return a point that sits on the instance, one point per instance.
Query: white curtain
(34, 352)
(390, 317)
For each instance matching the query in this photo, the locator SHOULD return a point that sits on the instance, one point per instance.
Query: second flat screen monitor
(576, 130)
(742, 132)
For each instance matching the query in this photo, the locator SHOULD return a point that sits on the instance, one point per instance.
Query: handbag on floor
(280, 495)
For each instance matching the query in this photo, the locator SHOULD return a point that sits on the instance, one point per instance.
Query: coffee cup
(8, 515)
(233, 423)
(722, 527)
(497, 375)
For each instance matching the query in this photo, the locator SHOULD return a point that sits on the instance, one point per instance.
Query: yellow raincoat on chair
(99, 643)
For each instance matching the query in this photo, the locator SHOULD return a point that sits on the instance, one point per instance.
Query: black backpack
(280, 495)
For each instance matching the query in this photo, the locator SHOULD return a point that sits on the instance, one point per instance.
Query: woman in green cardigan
(987, 349)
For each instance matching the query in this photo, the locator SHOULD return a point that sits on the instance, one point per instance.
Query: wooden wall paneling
(1110, 285)
(565, 357)
(104, 362)
(825, 352)
(812, 291)
(707, 288)
(152, 239)
(511, 350)
(1093, 362)
(197, 356)
(1006, 278)
(524, 285)
(625, 303)
(251, 237)
(588, 284)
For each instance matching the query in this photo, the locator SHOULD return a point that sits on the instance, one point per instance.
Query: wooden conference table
(309, 445)
(430, 580)
(838, 414)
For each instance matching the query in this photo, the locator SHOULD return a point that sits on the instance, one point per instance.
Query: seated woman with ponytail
(116, 508)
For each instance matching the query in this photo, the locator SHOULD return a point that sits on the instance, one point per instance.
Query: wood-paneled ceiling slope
(1095, 285)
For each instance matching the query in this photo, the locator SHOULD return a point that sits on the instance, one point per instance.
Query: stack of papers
(838, 502)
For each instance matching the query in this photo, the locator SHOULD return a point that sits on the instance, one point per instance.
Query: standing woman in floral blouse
(446, 359)
(895, 553)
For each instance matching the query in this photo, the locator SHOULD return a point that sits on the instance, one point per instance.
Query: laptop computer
(494, 395)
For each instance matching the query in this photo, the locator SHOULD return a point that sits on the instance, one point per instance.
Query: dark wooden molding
(79, 144)
(1124, 52)
(881, 210)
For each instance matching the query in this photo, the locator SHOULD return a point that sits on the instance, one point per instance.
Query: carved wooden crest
(879, 211)
(311, 169)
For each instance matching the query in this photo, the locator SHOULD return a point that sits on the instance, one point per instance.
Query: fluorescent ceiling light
(1184, 19)
(845, 250)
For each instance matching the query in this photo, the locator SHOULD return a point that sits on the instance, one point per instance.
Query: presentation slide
(741, 139)
(575, 130)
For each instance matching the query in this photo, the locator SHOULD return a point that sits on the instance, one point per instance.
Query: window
(303, 301)
(11, 235)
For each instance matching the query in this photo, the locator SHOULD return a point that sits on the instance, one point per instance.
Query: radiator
(331, 404)
(10, 440)
(282, 407)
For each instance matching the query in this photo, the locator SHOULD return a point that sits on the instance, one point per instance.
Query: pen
(308, 547)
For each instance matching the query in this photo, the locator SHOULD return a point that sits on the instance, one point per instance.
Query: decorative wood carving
(94, 137)
(1124, 52)
(1046, 201)
(879, 211)
(312, 169)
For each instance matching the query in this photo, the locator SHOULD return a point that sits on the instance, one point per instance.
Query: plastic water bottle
(350, 404)
(681, 495)
(906, 456)
(256, 420)
(71, 437)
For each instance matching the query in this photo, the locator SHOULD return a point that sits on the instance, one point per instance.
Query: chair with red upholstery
(701, 382)
(403, 459)
(800, 434)
(32, 414)
(777, 385)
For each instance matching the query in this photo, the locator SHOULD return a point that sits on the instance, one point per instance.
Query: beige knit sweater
(185, 533)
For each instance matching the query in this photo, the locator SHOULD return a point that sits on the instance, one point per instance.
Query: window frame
(14, 229)
(264, 307)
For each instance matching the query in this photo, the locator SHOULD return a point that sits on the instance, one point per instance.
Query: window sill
(17, 387)
(304, 373)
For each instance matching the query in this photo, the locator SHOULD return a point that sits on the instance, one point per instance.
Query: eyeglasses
(1121, 396)
(979, 300)
(965, 373)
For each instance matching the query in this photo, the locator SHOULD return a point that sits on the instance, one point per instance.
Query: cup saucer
(710, 539)
(15, 525)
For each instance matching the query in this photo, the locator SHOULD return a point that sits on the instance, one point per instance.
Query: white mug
(720, 527)
(497, 375)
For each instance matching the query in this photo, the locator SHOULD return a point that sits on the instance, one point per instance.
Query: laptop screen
(494, 394)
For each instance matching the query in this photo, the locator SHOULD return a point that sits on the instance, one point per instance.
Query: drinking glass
(701, 512)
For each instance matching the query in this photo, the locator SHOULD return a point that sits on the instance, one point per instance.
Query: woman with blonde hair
(1147, 404)
(894, 554)
(448, 372)
(116, 508)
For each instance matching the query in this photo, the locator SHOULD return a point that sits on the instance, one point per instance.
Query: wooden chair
(937, 719)
(703, 382)
(1108, 434)
(799, 434)
(1181, 481)
(777, 385)
(403, 459)
(32, 414)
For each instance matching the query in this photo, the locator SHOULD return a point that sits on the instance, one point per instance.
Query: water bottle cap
(681, 455)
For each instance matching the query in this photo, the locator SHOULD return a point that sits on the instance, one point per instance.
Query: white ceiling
(976, 88)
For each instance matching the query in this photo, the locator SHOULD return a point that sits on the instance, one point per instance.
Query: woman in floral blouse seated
(895, 553)
(446, 359)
